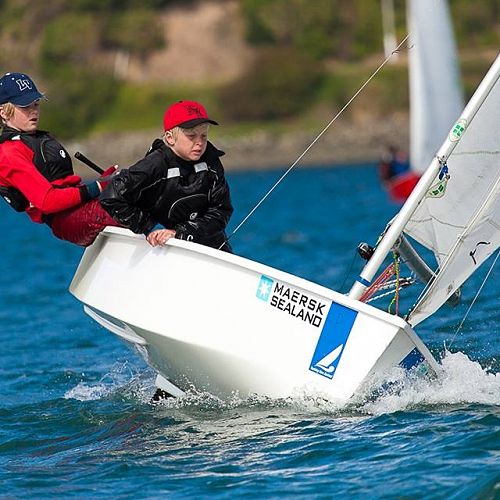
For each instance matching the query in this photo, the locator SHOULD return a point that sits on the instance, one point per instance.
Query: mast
(418, 194)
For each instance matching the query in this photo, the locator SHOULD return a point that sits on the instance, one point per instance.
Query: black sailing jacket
(191, 197)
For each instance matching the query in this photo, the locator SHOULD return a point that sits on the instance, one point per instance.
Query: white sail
(459, 218)
(436, 98)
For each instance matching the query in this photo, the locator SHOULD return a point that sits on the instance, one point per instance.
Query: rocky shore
(343, 143)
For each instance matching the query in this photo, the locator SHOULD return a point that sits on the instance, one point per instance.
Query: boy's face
(25, 118)
(191, 143)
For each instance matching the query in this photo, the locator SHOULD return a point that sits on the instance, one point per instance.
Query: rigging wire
(390, 285)
(316, 139)
(348, 273)
(490, 270)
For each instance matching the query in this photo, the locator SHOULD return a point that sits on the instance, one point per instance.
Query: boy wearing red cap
(179, 184)
(36, 172)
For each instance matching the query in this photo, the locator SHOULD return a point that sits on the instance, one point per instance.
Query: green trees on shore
(307, 52)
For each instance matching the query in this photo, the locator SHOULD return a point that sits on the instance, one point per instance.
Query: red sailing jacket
(48, 188)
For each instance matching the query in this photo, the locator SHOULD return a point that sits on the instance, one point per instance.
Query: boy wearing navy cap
(19, 89)
(179, 184)
(36, 172)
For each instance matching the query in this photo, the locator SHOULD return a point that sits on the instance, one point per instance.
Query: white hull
(226, 324)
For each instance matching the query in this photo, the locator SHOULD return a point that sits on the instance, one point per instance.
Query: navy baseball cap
(19, 89)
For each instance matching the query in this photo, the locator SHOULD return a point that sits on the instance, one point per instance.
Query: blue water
(75, 416)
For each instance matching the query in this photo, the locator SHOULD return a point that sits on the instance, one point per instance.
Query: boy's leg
(81, 224)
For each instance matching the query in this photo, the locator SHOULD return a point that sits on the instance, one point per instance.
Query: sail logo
(332, 340)
(472, 253)
(438, 189)
(327, 365)
(291, 301)
(458, 130)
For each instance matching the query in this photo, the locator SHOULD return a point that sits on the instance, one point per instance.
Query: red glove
(106, 176)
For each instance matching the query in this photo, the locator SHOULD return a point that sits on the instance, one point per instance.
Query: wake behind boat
(278, 335)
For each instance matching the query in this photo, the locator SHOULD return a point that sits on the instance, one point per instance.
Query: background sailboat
(436, 94)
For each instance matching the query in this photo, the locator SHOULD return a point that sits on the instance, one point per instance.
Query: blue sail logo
(327, 363)
(332, 340)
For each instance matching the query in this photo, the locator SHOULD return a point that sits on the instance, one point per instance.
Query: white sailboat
(436, 93)
(278, 335)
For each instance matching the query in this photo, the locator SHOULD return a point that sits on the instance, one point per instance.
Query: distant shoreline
(343, 143)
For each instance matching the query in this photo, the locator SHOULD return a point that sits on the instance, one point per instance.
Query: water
(76, 421)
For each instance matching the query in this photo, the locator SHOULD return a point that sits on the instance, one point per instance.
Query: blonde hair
(8, 112)
(173, 133)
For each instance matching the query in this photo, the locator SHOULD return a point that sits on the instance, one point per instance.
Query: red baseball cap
(185, 114)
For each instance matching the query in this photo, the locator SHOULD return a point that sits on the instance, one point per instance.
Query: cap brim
(27, 99)
(196, 121)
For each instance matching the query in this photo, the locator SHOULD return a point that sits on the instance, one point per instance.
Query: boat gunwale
(263, 269)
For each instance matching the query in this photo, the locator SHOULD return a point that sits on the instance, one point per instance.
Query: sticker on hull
(332, 340)
(413, 359)
(292, 301)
